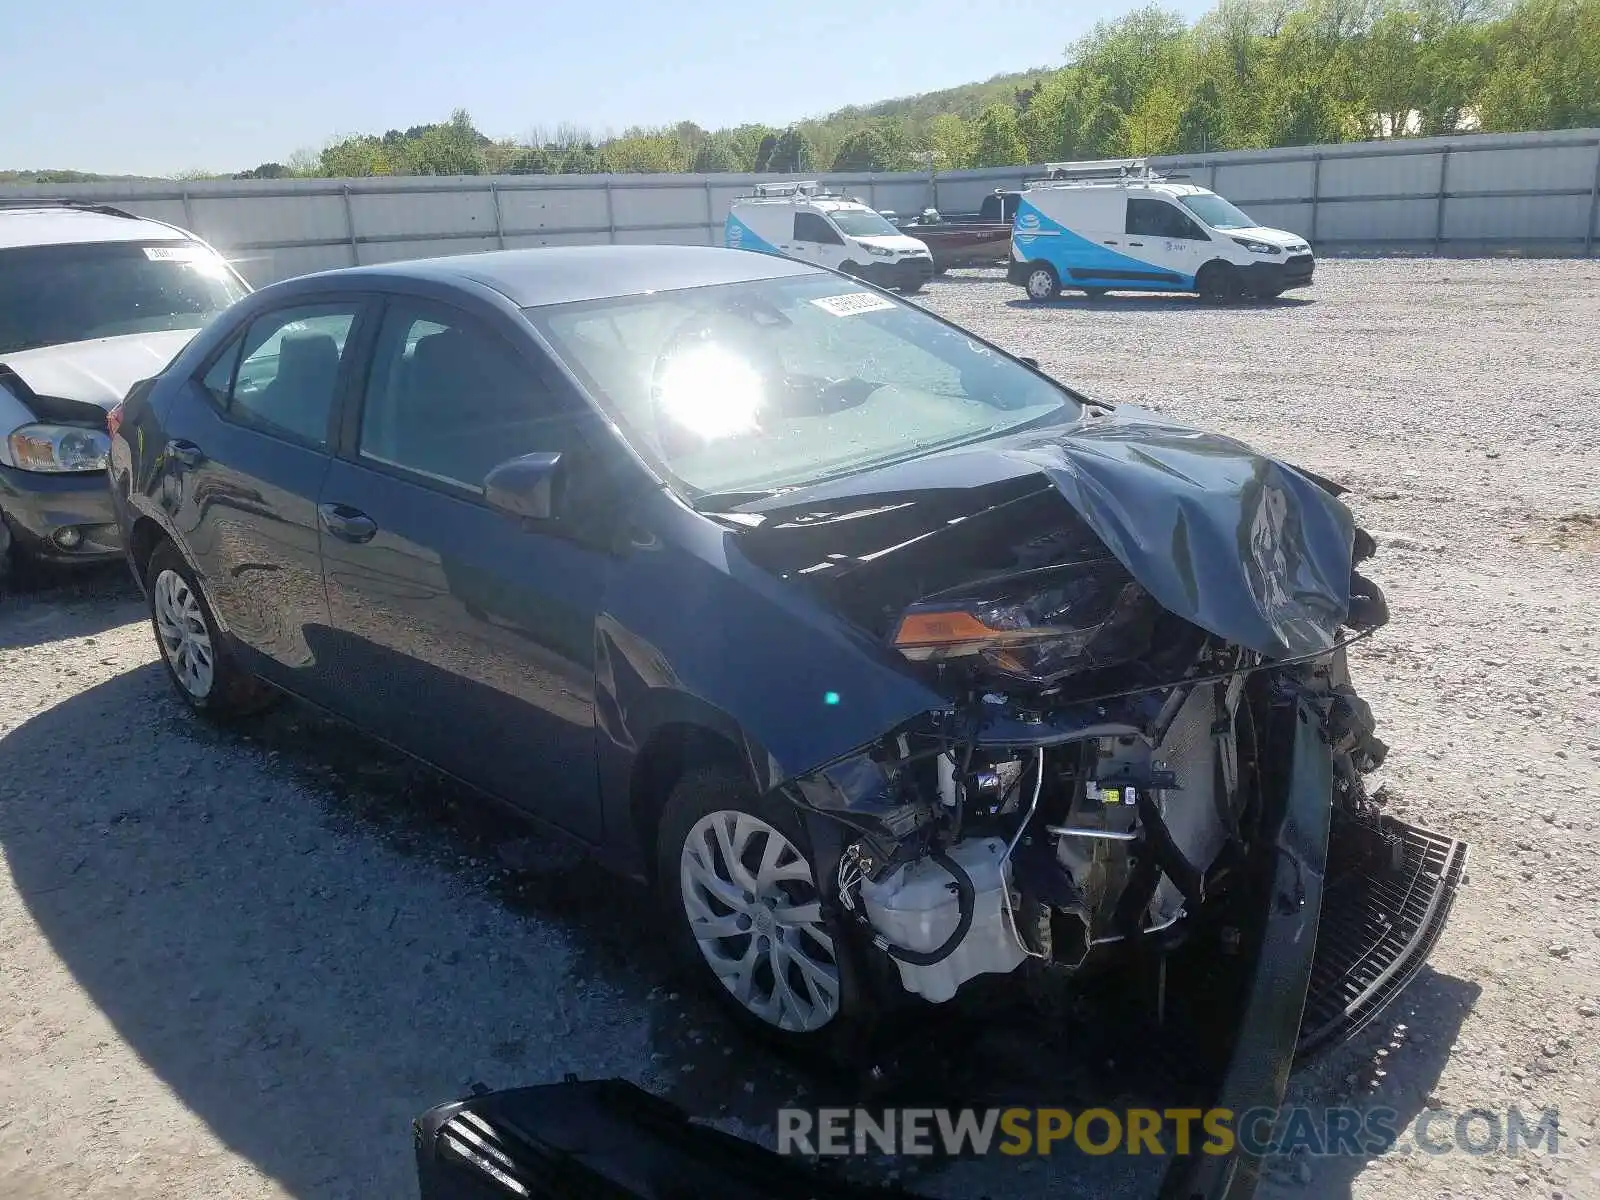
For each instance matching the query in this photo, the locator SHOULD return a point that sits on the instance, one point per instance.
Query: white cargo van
(1104, 226)
(800, 220)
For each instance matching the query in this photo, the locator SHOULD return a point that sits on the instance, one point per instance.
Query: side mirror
(526, 487)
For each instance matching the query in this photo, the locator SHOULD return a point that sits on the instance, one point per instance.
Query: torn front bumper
(1330, 926)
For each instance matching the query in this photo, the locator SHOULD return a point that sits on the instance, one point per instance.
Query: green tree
(1154, 125)
(996, 140)
(716, 154)
(442, 150)
(1546, 72)
(863, 150)
(1132, 53)
(951, 140)
(355, 158)
(1201, 125)
(791, 153)
(1102, 133)
(642, 153)
(764, 153)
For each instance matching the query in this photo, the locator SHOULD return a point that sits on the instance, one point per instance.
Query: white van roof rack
(1106, 170)
(810, 189)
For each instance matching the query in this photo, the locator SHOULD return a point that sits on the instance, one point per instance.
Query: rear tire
(739, 884)
(1218, 283)
(199, 661)
(1042, 283)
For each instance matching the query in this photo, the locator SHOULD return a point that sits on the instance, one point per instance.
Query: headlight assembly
(1258, 247)
(1037, 627)
(59, 448)
(880, 251)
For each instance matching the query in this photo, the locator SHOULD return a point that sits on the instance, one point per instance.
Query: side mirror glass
(527, 487)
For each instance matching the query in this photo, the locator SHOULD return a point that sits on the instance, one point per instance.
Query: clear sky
(139, 87)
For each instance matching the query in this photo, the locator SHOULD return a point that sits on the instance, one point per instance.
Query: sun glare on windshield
(710, 392)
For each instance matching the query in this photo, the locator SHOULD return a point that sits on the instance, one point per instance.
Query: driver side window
(809, 227)
(1157, 218)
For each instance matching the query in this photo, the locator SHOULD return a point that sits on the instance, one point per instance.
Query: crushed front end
(1140, 754)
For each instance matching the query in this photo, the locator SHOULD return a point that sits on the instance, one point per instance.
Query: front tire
(198, 659)
(739, 883)
(1042, 283)
(1218, 283)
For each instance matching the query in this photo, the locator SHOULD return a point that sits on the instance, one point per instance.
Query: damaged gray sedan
(891, 661)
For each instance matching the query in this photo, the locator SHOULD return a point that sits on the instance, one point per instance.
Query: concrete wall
(1531, 193)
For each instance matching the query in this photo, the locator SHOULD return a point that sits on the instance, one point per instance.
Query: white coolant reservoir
(915, 907)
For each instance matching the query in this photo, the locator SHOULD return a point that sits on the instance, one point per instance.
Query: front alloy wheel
(755, 913)
(1042, 284)
(182, 632)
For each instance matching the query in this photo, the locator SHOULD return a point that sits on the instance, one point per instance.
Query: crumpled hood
(98, 372)
(1247, 547)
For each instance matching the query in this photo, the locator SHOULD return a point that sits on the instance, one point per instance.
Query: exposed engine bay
(1100, 777)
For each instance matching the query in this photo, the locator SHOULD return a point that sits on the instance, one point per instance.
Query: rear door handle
(1131, 243)
(186, 453)
(1109, 241)
(346, 523)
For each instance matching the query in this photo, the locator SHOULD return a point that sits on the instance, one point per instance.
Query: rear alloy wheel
(1042, 284)
(1218, 283)
(751, 910)
(196, 657)
(181, 630)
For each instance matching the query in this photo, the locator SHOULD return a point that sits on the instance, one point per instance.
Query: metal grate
(1390, 887)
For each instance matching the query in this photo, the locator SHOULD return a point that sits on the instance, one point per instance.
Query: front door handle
(1109, 241)
(346, 523)
(185, 453)
(1132, 243)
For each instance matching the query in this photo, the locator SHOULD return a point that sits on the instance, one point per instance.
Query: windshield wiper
(720, 501)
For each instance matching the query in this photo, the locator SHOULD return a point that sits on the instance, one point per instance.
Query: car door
(1160, 233)
(816, 241)
(248, 443)
(463, 635)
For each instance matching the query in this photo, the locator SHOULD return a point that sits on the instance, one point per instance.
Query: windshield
(856, 222)
(1217, 212)
(50, 295)
(780, 382)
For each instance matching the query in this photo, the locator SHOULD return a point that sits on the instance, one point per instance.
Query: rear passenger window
(451, 401)
(289, 371)
(218, 381)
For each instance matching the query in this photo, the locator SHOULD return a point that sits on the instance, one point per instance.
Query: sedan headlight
(59, 448)
(1038, 627)
(880, 251)
(1258, 247)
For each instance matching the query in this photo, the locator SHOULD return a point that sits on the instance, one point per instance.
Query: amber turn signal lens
(940, 629)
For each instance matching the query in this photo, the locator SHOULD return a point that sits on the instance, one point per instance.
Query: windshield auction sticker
(851, 303)
(177, 253)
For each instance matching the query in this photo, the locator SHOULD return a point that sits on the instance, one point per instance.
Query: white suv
(92, 300)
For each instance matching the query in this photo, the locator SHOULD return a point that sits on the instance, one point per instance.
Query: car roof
(564, 274)
(65, 225)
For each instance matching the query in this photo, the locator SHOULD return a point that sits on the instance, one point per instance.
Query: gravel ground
(237, 964)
